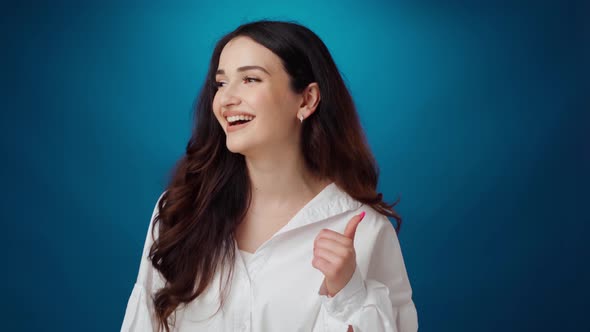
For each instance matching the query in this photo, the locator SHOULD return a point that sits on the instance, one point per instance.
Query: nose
(228, 96)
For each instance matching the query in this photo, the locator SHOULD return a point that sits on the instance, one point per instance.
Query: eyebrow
(243, 68)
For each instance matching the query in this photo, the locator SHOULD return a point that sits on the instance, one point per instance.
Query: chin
(236, 147)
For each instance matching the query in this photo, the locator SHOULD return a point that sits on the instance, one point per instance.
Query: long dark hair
(209, 191)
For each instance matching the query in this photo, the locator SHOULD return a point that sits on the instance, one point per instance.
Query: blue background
(478, 114)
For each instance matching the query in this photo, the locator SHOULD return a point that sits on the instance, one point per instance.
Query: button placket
(244, 327)
(242, 317)
(258, 262)
(244, 297)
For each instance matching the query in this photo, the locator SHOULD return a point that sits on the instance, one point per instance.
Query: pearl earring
(301, 118)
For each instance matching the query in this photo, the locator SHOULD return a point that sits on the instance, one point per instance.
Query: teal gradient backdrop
(478, 114)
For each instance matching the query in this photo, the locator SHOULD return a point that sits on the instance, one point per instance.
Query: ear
(310, 100)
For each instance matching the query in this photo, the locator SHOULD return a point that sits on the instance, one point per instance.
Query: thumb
(352, 225)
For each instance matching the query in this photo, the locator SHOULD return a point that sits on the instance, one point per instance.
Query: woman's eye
(251, 79)
(245, 79)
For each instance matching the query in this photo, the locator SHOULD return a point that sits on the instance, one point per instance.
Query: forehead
(244, 51)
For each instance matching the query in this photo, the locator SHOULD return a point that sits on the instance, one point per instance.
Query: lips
(239, 125)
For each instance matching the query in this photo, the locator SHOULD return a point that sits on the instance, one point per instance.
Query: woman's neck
(282, 180)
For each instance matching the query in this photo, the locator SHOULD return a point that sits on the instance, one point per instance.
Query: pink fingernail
(362, 215)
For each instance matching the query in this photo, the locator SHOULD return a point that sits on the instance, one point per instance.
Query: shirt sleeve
(140, 314)
(378, 297)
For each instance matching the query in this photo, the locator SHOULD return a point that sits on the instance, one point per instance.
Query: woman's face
(251, 80)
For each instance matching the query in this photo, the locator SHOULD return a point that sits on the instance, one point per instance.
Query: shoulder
(152, 233)
(157, 205)
(374, 219)
(375, 226)
(148, 277)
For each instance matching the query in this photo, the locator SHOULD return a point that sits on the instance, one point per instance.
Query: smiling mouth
(239, 122)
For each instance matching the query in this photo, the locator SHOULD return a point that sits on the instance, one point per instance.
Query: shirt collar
(329, 202)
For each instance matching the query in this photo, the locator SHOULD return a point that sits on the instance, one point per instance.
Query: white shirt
(278, 288)
(248, 257)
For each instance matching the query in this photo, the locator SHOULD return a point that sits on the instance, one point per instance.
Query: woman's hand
(335, 257)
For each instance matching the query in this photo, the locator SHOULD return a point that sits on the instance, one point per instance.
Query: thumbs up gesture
(335, 257)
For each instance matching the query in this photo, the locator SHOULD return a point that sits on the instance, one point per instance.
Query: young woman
(260, 227)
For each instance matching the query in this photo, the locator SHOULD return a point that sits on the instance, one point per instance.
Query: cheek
(258, 99)
(288, 101)
(274, 104)
(216, 108)
(215, 103)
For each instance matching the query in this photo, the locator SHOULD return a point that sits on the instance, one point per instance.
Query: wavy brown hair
(209, 191)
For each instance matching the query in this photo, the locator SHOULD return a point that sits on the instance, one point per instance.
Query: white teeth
(239, 117)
